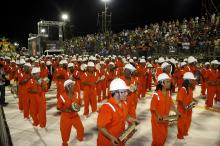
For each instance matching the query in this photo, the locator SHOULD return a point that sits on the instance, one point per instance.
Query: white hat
(134, 58)
(131, 60)
(118, 84)
(17, 62)
(189, 76)
(83, 66)
(27, 64)
(22, 61)
(48, 63)
(102, 62)
(6, 57)
(12, 61)
(161, 60)
(207, 63)
(79, 59)
(70, 65)
(68, 82)
(149, 57)
(35, 70)
(142, 60)
(163, 76)
(42, 62)
(182, 64)
(164, 65)
(191, 59)
(91, 64)
(172, 60)
(65, 62)
(111, 63)
(215, 62)
(130, 67)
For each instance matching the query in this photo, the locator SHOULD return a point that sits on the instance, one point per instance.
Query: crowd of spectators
(193, 36)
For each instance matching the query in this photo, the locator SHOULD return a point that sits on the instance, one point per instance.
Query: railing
(5, 137)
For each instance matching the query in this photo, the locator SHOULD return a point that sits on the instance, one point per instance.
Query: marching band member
(113, 115)
(185, 100)
(68, 104)
(161, 104)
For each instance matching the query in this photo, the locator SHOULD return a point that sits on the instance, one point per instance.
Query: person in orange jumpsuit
(19, 76)
(184, 98)
(101, 87)
(69, 116)
(61, 76)
(37, 88)
(24, 82)
(132, 98)
(161, 104)
(179, 75)
(113, 115)
(203, 78)
(142, 74)
(89, 81)
(149, 77)
(212, 83)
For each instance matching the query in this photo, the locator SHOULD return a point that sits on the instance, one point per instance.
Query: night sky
(19, 18)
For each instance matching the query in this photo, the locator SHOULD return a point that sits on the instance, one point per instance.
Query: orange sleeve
(104, 117)
(181, 94)
(154, 103)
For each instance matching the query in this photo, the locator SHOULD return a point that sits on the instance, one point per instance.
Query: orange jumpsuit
(142, 85)
(203, 81)
(37, 102)
(212, 76)
(26, 97)
(101, 87)
(89, 91)
(184, 121)
(162, 104)
(149, 79)
(19, 76)
(69, 119)
(111, 117)
(60, 82)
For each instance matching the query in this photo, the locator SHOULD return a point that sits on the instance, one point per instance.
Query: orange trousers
(211, 92)
(20, 97)
(68, 120)
(203, 88)
(101, 87)
(159, 133)
(26, 105)
(183, 124)
(142, 87)
(89, 99)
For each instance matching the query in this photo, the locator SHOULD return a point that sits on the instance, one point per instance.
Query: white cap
(91, 64)
(172, 60)
(164, 65)
(130, 67)
(48, 63)
(131, 60)
(189, 76)
(207, 63)
(35, 70)
(68, 82)
(182, 64)
(191, 59)
(12, 61)
(112, 63)
(102, 62)
(83, 66)
(42, 62)
(70, 65)
(17, 62)
(22, 61)
(163, 76)
(142, 60)
(65, 62)
(27, 64)
(118, 84)
(161, 60)
(215, 62)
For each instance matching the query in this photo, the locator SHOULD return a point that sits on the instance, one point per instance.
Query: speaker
(53, 33)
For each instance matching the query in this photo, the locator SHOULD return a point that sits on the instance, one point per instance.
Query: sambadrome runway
(204, 131)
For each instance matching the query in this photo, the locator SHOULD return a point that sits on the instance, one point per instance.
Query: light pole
(105, 14)
(64, 17)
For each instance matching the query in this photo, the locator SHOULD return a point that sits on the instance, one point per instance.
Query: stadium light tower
(105, 14)
(64, 17)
